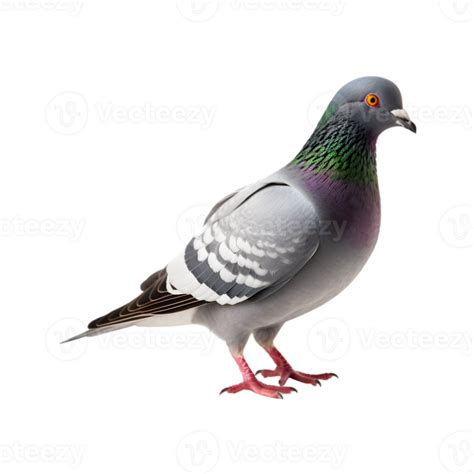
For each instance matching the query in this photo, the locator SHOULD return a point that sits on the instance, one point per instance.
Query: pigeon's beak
(402, 118)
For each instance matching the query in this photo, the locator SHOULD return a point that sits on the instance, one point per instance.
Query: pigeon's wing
(222, 207)
(153, 278)
(251, 245)
(254, 243)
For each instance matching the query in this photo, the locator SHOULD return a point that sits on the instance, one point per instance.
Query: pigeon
(282, 246)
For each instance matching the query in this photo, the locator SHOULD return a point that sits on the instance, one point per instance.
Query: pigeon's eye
(372, 100)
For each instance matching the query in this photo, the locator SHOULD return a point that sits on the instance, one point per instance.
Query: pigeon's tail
(96, 332)
(156, 306)
(77, 336)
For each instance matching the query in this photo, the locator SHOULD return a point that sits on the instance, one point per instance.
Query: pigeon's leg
(283, 369)
(251, 383)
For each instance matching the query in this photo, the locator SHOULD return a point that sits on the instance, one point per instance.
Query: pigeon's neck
(342, 149)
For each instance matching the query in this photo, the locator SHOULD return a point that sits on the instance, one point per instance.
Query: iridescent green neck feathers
(342, 149)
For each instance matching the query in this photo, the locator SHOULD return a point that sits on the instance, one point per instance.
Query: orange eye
(372, 100)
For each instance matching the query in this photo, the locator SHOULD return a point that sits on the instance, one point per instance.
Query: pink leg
(251, 383)
(285, 371)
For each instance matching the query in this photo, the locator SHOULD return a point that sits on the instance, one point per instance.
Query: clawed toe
(259, 388)
(269, 372)
(286, 373)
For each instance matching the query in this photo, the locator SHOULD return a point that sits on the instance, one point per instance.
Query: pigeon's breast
(352, 215)
(348, 212)
(349, 227)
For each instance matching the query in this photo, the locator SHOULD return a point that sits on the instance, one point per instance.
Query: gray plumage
(282, 246)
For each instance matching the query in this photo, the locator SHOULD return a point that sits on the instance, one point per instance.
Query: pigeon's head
(373, 101)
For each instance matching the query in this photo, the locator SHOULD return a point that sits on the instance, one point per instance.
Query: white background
(121, 123)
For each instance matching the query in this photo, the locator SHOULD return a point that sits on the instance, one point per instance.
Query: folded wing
(252, 243)
(247, 249)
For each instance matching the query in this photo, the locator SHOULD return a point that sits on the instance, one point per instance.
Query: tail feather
(77, 336)
(96, 332)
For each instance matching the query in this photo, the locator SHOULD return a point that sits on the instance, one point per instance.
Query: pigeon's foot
(251, 383)
(260, 388)
(285, 371)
